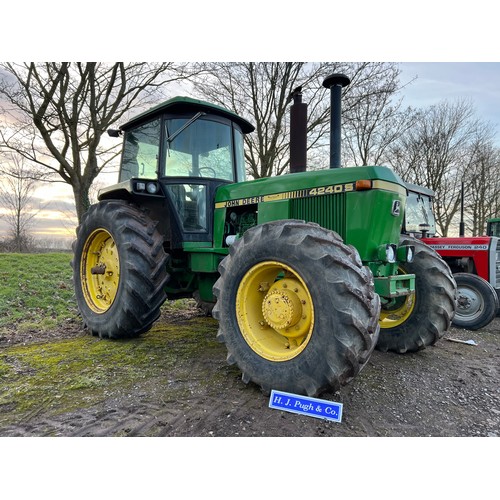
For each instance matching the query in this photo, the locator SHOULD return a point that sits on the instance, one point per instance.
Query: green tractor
(493, 227)
(306, 273)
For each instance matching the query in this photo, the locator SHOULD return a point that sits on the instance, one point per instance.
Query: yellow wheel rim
(100, 271)
(275, 311)
(396, 313)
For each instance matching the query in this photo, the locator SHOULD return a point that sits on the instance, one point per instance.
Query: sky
(436, 81)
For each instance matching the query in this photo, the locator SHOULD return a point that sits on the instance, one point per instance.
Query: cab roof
(420, 189)
(183, 105)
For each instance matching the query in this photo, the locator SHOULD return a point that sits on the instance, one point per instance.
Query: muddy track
(185, 388)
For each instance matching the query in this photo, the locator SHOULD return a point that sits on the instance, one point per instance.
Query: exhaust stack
(298, 132)
(335, 83)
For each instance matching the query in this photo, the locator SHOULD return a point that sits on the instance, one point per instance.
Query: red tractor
(473, 260)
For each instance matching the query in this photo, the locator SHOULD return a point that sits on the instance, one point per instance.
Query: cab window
(190, 202)
(239, 145)
(418, 212)
(141, 152)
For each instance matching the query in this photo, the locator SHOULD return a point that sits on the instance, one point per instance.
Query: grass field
(36, 291)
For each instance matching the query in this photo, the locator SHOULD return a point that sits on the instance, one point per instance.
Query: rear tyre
(296, 308)
(119, 270)
(413, 322)
(477, 302)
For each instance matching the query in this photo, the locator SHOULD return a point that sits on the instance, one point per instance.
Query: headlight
(391, 253)
(387, 253)
(152, 187)
(406, 253)
(410, 254)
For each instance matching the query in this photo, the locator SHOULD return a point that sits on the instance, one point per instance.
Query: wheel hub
(397, 311)
(281, 308)
(468, 302)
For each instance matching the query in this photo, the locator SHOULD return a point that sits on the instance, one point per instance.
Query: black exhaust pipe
(335, 83)
(298, 132)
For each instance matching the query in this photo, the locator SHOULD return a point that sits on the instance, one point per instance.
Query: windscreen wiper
(170, 138)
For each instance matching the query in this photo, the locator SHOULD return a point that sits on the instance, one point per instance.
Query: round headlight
(152, 187)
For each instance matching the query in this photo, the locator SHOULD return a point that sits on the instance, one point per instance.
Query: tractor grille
(328, 211)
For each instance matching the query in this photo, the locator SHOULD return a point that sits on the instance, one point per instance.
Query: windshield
(419, 214)
(203, 149)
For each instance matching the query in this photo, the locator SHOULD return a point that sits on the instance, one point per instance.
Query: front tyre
(477, 302)
(296, 308)
(412, 322)
(119, 270)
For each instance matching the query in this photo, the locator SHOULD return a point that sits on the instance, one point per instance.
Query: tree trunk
(82, 200)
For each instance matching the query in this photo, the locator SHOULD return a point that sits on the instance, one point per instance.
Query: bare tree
(375, 124)
(482, 184)
(260, 92)
(18, 182)
(435, 152)
(56, 114)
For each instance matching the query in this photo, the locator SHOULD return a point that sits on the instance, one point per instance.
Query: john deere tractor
(306, 273)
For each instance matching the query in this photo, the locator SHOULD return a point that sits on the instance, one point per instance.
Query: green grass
(36, 291)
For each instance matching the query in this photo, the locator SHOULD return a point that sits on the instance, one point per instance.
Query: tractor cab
(178, 154)
(419, 217)
(493, 227)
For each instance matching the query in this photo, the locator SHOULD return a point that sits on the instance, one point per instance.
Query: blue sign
(303, 405)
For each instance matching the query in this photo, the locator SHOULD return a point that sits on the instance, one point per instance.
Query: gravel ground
(450, 390)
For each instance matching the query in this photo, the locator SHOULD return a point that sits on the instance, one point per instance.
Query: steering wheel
(210, 169)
